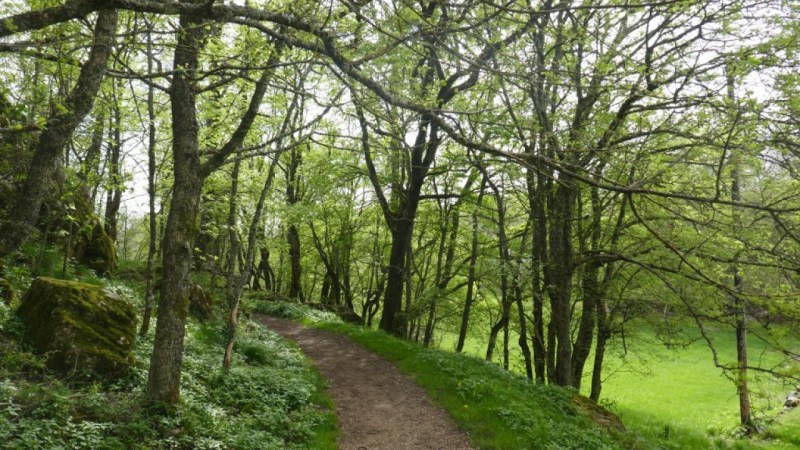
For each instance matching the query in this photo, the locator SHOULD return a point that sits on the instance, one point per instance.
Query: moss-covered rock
(81, 327)
(97, 250)
(92, 246)
(201, 304)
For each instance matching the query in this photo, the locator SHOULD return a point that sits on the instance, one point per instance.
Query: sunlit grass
(679, 397)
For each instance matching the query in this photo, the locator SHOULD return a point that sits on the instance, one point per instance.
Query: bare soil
(378, 406)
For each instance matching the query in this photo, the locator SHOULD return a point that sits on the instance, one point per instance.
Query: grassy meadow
(675, 397)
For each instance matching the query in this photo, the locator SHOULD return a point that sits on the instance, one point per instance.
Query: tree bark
(559, 280)
(114, 161)
(163, 385)
(292, 235)
(151, 194)
(473, 259)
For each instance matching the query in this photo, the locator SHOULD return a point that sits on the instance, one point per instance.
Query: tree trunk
(295, 286)
(114, 183)
(235, 294)
(151, 194)
(292, 235)
(739, 305)
(473, 259)
(163, 385)
(535, 180)
(559, 280)
(603, 335)
(50, 146)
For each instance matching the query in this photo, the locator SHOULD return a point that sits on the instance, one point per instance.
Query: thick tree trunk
(163, 386)
(55, 136)
(559, 280)
(391, 317)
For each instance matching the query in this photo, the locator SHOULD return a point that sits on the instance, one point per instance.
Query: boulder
(201, 304)
(93, 247)
(96, 250)
(81, 327)
(792, 400)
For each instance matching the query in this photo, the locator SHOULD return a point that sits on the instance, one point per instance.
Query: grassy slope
(498, 409)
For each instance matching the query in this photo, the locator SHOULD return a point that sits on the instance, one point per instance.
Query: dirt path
(378, 406)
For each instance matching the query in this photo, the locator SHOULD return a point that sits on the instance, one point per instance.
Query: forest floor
(377, 405)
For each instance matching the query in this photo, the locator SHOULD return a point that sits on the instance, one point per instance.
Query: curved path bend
(378, 406)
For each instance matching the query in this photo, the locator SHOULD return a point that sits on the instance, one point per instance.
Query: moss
(80, 326)
(93, 247)
(99, 252)
(201, 304)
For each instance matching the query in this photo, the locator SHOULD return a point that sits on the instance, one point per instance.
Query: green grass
(679, 398)
(499, 410)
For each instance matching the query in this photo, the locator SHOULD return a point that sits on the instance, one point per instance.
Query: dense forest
(542, 184)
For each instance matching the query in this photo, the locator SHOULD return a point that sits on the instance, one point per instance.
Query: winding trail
(378, 406)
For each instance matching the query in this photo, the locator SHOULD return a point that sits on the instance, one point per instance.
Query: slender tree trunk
(473, 259)
(91, 162)
(151, 194)
(591, 291)
(114, 186)
(505, 262)
(231, 285)
(235, 295)
(523, 329)
(53, 139)
(292, 235)
(603, 335)
(739, 305)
